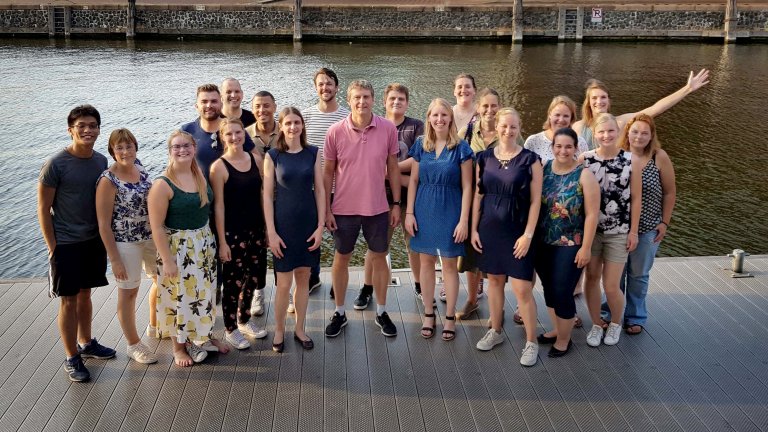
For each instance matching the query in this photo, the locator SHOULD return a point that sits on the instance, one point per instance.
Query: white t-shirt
(317, 123)
(542, 146)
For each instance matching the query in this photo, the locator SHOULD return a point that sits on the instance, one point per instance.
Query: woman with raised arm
(464, 89)
(570, 203)
(597, 101)
(658, 201)
(236, 182)
(439, 199)
(505, 212)
(617, 227)
(179, 203)
(294, 208)
(121, 209)
(560, 114)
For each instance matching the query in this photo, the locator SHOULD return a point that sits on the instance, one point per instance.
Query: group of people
(468, 191)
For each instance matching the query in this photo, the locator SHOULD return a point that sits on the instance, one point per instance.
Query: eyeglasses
(177, 147)
(214, 140)
(83, 126)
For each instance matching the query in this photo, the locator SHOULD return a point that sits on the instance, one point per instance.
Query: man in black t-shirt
(232, 99)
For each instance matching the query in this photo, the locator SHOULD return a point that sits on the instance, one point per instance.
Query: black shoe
(338, 322)
(554, 352)
(387, 326)
(364, 298)
(94, 349)
(331, 292)
(417, 290)
(76, 369)
(278, 347)
(306, 344)
(314, 283)
(546, 340)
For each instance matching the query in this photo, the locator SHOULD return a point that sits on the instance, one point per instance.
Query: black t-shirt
(247, 118)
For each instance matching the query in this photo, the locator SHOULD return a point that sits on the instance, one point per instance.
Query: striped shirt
(317, 124)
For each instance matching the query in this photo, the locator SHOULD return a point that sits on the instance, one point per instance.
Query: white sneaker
(251, 329)
(443, 296)
(291, 308)
(595, 336)
(141, 353)
(257, 304)
(196, 353)
(152, 332)
(530, 354)
(208, 346)
(490, 340)
(612, 334)
(481, 289)
(237, 340)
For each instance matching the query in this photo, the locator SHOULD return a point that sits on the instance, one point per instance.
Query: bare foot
(223, 348)
(182, 359)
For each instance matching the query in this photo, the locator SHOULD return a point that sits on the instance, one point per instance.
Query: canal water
(715, 137)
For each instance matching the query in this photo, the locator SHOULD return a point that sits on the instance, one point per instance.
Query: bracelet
(665, 224)
(409, 213)
(635, 235)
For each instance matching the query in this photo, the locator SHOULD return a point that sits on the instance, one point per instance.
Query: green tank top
(184, 211)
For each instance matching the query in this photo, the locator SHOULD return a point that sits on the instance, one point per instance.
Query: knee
(341, 259)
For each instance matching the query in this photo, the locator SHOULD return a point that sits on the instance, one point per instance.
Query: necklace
(504, 163)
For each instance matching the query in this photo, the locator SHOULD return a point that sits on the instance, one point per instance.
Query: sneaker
(314, 283)
(490, 340)
(208, 346)
(257, 304)
(530, 354)
(197, 353)
(76, 369)
(236, 339)
(480, 290)
(595, 336)
(338, 322)
(467, 311)
(612, 334)
(251, 329)
(417, 291)
(291, 307)
(363, 299)
(152, 332)
(141, 353)
(94, 349)
(443, 296)
(386, 325)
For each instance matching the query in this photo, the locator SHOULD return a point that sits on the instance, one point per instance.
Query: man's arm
(45, 196)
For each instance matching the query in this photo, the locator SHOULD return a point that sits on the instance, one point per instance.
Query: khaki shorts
(610, 247)
(133, 256)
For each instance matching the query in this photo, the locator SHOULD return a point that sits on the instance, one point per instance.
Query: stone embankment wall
(626, 21)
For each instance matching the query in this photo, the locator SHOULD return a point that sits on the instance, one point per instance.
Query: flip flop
(634, 329)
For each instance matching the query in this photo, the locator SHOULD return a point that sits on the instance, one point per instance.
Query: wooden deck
(701, 365)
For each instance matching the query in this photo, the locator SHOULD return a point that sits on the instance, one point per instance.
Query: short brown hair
(360, 84)
(207, 88)
(118, 136)
(398, 88)
(329, 73)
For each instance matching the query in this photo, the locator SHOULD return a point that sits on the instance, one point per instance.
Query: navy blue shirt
(209, 145)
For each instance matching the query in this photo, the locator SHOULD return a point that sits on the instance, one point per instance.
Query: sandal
(578, 323)
(449, 335)
(634, 329)
(426, 331)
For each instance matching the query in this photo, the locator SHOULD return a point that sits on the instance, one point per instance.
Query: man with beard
(317, 120)
(232, 94)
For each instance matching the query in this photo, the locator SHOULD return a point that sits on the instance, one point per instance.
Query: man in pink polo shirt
(360, 151)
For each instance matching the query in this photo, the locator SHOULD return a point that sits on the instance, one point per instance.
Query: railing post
(517, 21)
(731, 18)
(51, 22)
(130, 25)
(297, 20)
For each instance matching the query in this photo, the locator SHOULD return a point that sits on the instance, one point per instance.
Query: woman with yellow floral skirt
(179, 203)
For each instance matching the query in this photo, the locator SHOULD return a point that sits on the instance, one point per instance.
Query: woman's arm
(524, 242)
(274, 241)
(159, 196)
(476, 201)
(462, 229)
(317, 236)
(636, 203)
(668, 191)
(410, 219)
(105, 206)
(591, 192)
(218, 178)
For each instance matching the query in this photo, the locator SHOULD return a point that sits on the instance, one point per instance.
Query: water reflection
(149, 87)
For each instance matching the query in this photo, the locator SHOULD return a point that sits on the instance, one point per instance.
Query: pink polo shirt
(361, 165)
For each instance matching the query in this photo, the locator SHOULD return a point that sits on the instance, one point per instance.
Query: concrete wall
(392, 22)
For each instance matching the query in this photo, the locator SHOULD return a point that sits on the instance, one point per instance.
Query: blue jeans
(634, 281)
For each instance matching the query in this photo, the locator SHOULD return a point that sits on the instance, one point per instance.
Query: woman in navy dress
(294, 209)
(439, 199)
(509, 179)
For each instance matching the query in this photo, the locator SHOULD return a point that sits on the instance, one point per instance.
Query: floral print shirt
(130, 218)
(561, 220)
(613, 177)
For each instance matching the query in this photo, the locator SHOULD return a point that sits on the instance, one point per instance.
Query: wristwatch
(397, 203)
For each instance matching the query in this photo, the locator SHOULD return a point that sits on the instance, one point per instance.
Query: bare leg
(473, 279)
(496, 299)
(68, 324)
(368, 269)
(153, 302)
(380, 276)
(611, 276)
(415, 263)
(283, 288)
(180, 356)
(451, 284)
(523, 290)
(301, 298)
(126, 314)
(553, 319)
(84, 316)
(340, 277)
(592, 288)
(427, 268)
(564, 329)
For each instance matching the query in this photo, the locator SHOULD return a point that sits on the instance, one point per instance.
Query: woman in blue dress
(439, 199)
(294, 209)
(509, 179)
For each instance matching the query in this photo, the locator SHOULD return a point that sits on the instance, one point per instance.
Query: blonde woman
(437, 215)
(179, 204)
(560, 114)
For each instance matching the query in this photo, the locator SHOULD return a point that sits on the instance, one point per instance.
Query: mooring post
(51, 22)
(731, 18)
(517, 21)
(130, 25)
(297, 20)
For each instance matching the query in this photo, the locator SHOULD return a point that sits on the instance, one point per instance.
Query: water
(149, 87)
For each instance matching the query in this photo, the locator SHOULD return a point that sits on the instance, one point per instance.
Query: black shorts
(374, 231)
(77, 266)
